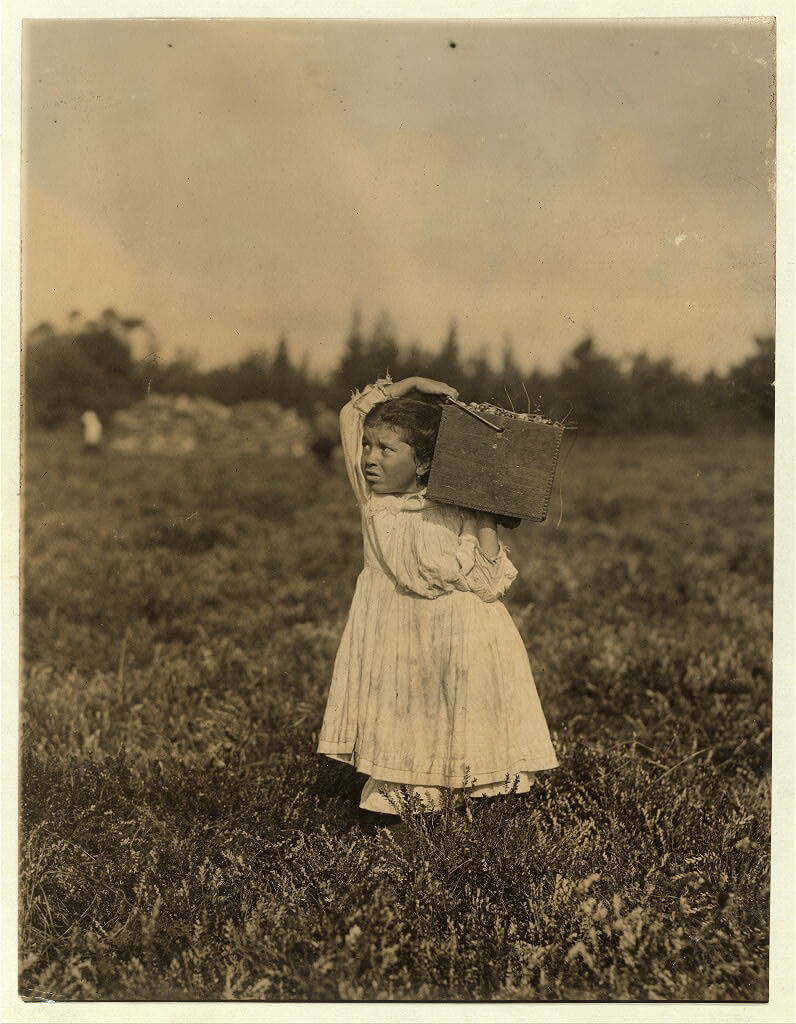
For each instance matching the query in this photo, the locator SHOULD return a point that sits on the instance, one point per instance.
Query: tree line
(90, 364)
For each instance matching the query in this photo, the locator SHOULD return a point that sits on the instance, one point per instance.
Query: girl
(431, 685)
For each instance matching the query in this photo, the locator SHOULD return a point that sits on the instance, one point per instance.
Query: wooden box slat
(507, 474)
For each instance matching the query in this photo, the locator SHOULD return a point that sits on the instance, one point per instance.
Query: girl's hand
(485, 520)
(435, 387)
(424, 384)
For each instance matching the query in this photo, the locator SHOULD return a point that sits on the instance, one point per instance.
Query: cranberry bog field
(180, 839)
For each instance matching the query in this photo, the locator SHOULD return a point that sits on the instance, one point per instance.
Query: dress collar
(397, 502)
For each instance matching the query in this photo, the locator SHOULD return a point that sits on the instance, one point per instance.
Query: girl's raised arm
(352, 416)
(424, 384)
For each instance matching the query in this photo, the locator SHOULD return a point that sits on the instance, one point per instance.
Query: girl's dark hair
(415, 417)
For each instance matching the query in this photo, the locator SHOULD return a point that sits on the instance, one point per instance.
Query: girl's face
(389, 463)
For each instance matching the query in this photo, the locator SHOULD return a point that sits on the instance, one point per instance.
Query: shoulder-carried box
(508, 472)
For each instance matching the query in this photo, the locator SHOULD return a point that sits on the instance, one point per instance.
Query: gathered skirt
(433, 693)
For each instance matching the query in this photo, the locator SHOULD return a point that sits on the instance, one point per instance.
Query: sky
(534, 180)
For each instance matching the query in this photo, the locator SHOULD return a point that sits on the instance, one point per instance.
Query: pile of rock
(181, 424)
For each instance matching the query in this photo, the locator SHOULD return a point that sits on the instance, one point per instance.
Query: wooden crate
(509, 473)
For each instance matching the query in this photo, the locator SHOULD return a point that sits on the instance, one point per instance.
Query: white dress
(431, 684)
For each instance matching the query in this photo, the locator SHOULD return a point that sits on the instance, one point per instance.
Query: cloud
(238, 179)
(72, 262)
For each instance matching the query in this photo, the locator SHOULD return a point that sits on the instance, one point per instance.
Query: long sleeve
(352, 416)
(488, 578)
(427, 553)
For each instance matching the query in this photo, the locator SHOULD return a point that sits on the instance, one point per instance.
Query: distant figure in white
(92, 431)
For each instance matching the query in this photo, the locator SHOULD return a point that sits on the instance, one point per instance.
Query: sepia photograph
(397, 511)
